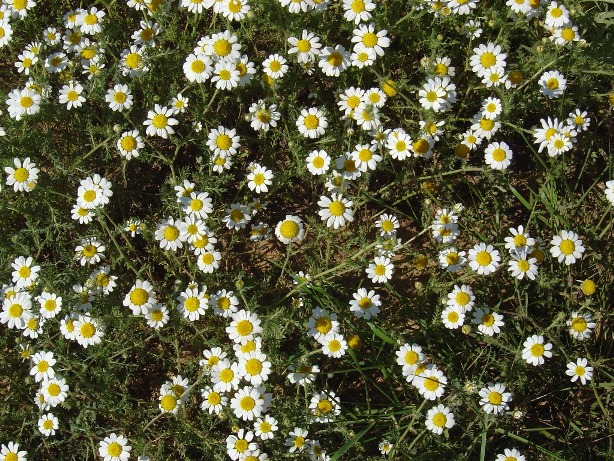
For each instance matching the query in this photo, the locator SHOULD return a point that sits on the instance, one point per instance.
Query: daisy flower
(224, 303)
(336, 211)
(297, 439)
(453, 317)
(88, 330)
(114, 448)
(581, 326)
(461, 297)
(157, 316)
(303, 374)
(6, 33)
(50, 304)
(192, 303)
(333, 61)
(522, 265)
(25, 61)
(358, 11)
(245, 325)
(23, 102)
(48, 424)
(237, 216)
(259, 178)
(169, 402)
(513, 454)
(254, 367)
(275, 66)
(552, 84)
(307, 48)
(119, 98)
(333, 344)
(238, 445)
(423, 146)
(140, 298)
(290, 229)
(129, 144)
(43, 366)
(324, 406)
(484, 259)
(362, 56)
(94, 192)
(89, 21)
(556, 15)
(431, 384)
(10, 451)
(451, 259)
(312, 122)
(264, 428)
(385, 446)
(225, 75)
(23, 176)
(160, 121)
(247, 404)
(133, 61)
(55, 391)
(213, 402)
(494, 399)
(369, 38)
(318, 162)
(519, 240)
(380, 270)
(366, 157)
(498, 155)
(235, 10)
(439, 418)
(534, 350)
(489, 323)
(399, 144)
(486, 56)
(198, 68)
(567, 247)
(25, 272)
(579, 370)
(168, 234)
(90, 251)
(223, 141)
(322, 323)
(263, 117)
(146, 34)
(365, 303)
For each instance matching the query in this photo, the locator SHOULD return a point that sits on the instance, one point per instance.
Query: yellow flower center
(42, 366)
(483, 258)
(579, 324)
(311, 122)
(495, 398)
(15, 310)
(54, 390)
(334, 345)
(498, 154)
(87, 330)
(380, 270)
(222, 47)
(453, 317)
(133, 60)
(223, 303)
(336, 208)
(159, 121)
(171, 233)
(439, 420)
(588, 287)
(568, 34)
(421, 146)
(234, 6)
(324, 325)
(552, 83)
(324, 407)
(91, 19)
(369, 39)
(488, 60)
(48, 424)
(537, 350)
(488, 320)
(244, 327)
(198, 66)
(335, 59)
(567, 247)
(253, 367)
(139, 296)
(114, 449)
(358, 6)
(556, 12)
(289, 229)
(26, 102)
(191, 304)
(128, 143)
(120, 97)
(431, 383)
(214, 398)
(247, 403)
(452, 258)
(157, 316)
(580, 371)
(487, 124)
(21, 174)
(523, 265)
(168, 402)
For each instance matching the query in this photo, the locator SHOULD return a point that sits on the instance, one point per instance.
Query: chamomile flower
(453, 317)
(362, 56)
(101, 280)
(484, 259)
(513, 454)
(494, 399)
(324, 406)
(141, 297)
(522, 265)
(244, 326)
(385, 446)
(579, 120)
(462, 297)
(369, 38)
(556, 15)
(90, 21)
(25, 61)
(552, 84)
(193, 302)
(237, 446)
(297, 6)
(431, 384)
(290, 229)
(336, 210)
(6, 33)
(23, 102)
(222, 45)
(198, 68)
(333, 344)
(223, 141)
(303, 374)
(88, 330)
(318, 162)
(259, 178)
(169, 402)
(23, 177)
(168, 234)
(157, 316)
(498, 155)
(146, 34)
(129, 144)
(11, 451)
(119, 98)
(212, 356)
(489, 323)
(254, 367)
(422, 147)
(399, 144)
(56, 62)
(486, 56)
(358, 11)
(322, 323)
(224, 303)
(160, 121)
(275, 66)
(565, 35)
(235, 10)
(307, 48)
(225, 75)
(581, 326)
(438, 418)
(366, 157)
(43, 366)
(237, 216)
(54, 390)
(519, 240)
(114, 448)
(48, 424)
(89, 251)
(247, 404)
(365, 303)
(380, 270)
(451, 259)
(25, 272)
(134, 61)
(579, 370)
(213, 402)
(312, 123)
(333, 61)
(566, 247)
(297, 440)
(534, 350)
(265, 428)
